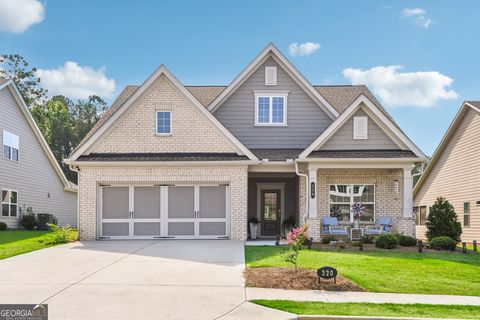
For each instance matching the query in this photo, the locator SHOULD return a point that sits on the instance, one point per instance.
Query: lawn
(385, 270)
(373, 309)
(15, 242)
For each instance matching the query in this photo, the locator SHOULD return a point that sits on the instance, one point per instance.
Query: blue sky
(115, 43)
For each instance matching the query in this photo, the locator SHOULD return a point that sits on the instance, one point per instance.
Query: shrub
(368, 239)
(60, 235)
(407, 241)
(3, 226)
(386, 241)
(328, 238)
(443, 243)
(29, 220)
(342, 245)
(442, 221)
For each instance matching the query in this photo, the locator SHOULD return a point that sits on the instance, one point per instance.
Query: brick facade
(90, 178)
(387, 201)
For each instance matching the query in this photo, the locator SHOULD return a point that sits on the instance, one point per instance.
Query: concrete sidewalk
(332, 296)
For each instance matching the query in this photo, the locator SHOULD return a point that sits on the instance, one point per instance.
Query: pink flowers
(298, 235)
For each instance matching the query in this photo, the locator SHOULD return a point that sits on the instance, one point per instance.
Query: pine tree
(442, 221)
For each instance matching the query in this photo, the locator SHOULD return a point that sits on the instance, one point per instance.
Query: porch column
(312, 192)
(407, 192)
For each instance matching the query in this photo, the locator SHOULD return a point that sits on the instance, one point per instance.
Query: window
(344, 196)
(360, 128)
(270, 109)
(466, 214)
(164, 122)
(10, 146)
(420, 215)
(9, 203)
(270, 76)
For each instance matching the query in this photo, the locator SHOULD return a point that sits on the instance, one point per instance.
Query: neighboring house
(175, 161)
(454, 173)
(29, 174)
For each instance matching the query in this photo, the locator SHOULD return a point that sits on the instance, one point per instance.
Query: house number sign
(312, 190)
(327, 273)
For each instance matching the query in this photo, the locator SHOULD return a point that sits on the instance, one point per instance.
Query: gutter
(74, 163)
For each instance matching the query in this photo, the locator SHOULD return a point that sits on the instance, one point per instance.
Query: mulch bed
(301, 279)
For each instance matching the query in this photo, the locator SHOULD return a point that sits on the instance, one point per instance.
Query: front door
(270, 213)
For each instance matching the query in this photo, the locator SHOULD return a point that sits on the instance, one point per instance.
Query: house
(30, 177)
(174, 161)
(453, 173)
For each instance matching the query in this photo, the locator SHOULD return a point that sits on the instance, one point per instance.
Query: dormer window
(360, 128)
(271, 109)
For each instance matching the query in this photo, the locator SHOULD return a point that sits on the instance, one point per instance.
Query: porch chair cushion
(330, 226)
(383, 225)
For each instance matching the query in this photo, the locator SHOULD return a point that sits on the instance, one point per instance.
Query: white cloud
(418, 16)
(74, 81)
(16, 16)
(410, 12)
(303, 49)
(399, 89)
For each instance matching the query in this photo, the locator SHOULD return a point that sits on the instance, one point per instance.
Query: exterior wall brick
(90, 178)
(136, 131)
(387, 201)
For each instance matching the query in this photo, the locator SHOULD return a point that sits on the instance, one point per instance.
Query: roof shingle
(358, 154)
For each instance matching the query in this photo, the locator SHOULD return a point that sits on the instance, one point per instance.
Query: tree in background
(15, 67)
(85, 113)
(442, 221)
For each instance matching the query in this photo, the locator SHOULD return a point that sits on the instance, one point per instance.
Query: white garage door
(174, 211)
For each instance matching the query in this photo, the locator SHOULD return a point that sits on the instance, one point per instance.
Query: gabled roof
(125, 102)
(272, 51)
(4, 84)
(388, 126)
(467, 105)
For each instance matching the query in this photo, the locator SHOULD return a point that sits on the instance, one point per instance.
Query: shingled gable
(272, 51)
(134, 95)
(378, 116)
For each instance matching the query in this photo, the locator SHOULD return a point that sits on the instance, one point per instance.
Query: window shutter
(360, 128)
(270, 76)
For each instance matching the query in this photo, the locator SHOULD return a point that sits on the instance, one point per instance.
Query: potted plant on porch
(288, 224)
(253, 223)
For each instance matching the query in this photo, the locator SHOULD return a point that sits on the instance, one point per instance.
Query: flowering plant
(296, 238)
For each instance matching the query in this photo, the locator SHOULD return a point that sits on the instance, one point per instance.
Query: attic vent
(270, 76)
(360, 128)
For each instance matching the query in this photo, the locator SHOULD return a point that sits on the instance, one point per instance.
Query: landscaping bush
(3, 226)
(29, 220)
(328, 238)
(386, 241)
(368, 239)
(443, 243)
(442, 221)
(59, 235)
(407, 241)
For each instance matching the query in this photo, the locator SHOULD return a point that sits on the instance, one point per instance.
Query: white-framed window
(360, 128)
(271, 109)
(344, 196)
(466, 214)
(164, 122)
(11, 145)
(9, 203)
(270, 76)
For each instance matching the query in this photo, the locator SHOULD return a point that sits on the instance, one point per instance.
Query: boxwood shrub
(443, 243)
(407, 241)
(328, 238)
(3, 226)
(386, 241)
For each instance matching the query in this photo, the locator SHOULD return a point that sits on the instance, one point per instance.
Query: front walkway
(335, 296)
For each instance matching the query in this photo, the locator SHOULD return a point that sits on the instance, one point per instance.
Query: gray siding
(33, 176)
(343, 138)
(305, 120)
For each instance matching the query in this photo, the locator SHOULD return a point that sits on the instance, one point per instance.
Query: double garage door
(174, 211)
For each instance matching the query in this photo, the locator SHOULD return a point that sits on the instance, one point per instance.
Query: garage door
(174, 211)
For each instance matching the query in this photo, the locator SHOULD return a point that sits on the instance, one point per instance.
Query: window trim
(466, 214)
(10, 158)
(352, 196)
(271, 95)
(156, 123)
(9, 204)
(360, 137)
(418, 215)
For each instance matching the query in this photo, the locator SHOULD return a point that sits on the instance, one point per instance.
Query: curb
(315, 317)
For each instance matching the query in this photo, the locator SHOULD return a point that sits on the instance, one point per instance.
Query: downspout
(304, 217)
(422, 169)
(77, 170)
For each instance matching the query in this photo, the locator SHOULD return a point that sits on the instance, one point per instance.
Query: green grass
(385, 270)
(15, 242)
(373, 309)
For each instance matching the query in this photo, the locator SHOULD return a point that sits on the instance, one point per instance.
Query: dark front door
(270, 222)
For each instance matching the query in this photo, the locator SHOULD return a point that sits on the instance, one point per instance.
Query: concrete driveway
(161, 279)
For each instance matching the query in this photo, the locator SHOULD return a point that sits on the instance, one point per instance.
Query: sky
(420, 58)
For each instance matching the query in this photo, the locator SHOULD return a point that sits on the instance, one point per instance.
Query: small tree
(296, 238)
(442, 221)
